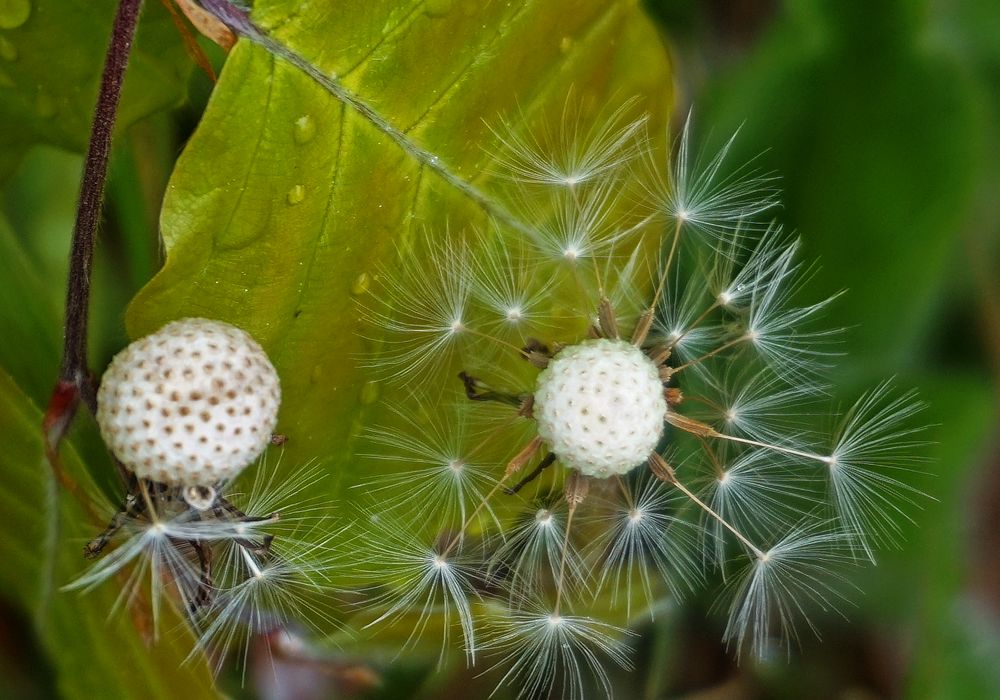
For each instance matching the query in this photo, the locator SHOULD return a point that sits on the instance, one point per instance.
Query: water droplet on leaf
(370, 391)
(305, 129)
(296, 195)
(14, 13)
(360, 284)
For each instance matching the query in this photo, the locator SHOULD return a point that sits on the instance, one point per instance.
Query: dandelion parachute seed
(654, 428)
(541, 651)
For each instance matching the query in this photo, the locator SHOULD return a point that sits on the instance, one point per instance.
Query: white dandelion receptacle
(190, 405)
(600, 407)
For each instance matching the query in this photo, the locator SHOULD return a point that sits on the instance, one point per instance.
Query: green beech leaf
(289, 197)
(93, 654)
(51, 58)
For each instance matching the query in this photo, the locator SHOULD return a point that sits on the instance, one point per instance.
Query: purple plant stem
(75, 383)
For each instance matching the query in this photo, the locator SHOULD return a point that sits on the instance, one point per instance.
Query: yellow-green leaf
(346, 130)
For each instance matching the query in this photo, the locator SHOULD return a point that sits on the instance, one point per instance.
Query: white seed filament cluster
(190, 405)
(600, 407)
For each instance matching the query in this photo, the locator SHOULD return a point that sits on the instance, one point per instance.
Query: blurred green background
(882, 121)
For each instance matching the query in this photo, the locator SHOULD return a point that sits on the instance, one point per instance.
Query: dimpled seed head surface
(600, 407)
(190, 405)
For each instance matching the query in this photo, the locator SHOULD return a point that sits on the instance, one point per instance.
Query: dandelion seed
(759, 492)
(260, 594)
(874, 446)
(231, 576)
(423, 582)
(545, 652)
(779, 588)
(642, 535)
(764, 407)
(681, 321)
(700, 196)
(575, 226)
(777, 330)
(573, 155)
(423, 311)
(148, 552)
(735, 276)
(442, 476)
(506, 285)
(531, 556)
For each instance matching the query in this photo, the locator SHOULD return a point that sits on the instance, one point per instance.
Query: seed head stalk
(74, 382)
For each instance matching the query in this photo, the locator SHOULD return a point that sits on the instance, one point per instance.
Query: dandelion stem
(149, 501)
(702, 430)
(625, 492)
(694, 324)
(666, 266)
(825, 459)
(712, 457)
(472, 516)
(575, 492)
(562, 558)
(597, 267)
(725, 523)
(712, 353)
(251, 564)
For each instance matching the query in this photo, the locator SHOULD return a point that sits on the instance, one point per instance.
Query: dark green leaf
(94, 654)
(51, 63)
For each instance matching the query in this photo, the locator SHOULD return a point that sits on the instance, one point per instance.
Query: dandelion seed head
(708, 337)
(600, 406)
(191, 405)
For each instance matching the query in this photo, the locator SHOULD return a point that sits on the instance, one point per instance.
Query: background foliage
(879, 117)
